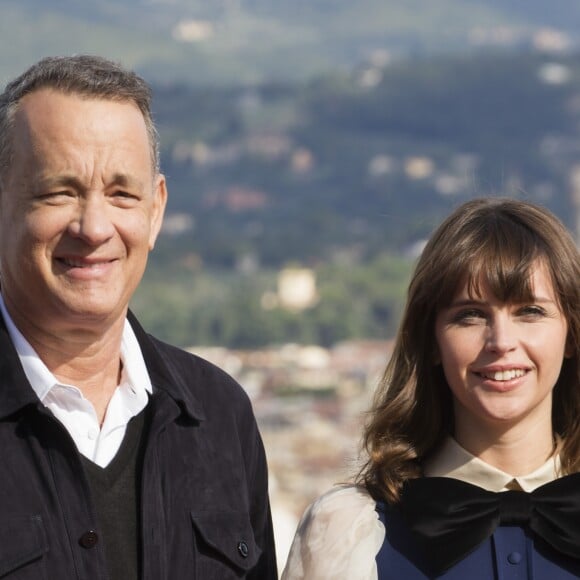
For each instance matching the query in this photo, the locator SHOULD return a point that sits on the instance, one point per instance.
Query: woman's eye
(468, 315)
(532, 311)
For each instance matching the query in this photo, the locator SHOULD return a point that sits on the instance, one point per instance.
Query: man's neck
(88, 357)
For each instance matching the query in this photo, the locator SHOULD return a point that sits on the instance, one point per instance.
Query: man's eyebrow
(126, 181)
(60, 180)
(119, 179)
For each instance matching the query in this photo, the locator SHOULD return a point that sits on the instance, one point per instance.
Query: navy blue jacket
(204, 511)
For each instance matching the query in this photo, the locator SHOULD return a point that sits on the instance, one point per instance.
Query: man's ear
(158, 209)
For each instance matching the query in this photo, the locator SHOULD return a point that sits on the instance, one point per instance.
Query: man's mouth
(81, 263)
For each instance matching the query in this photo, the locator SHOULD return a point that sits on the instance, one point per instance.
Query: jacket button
(514, 558)
(89, 539)
(243, 549)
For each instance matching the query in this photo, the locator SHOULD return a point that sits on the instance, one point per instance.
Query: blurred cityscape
(310, 403)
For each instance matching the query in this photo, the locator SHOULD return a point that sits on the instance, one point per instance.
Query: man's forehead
(48, 110)
(54, 137)
(53, 96)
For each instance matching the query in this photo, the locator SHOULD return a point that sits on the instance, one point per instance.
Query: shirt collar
(452, 460)
(42, 380)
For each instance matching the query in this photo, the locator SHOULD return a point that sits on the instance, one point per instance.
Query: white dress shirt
(67, 403)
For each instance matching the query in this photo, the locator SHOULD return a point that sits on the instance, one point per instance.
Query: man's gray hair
(85, 75)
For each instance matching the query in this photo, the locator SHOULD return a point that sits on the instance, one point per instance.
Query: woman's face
(502, 360)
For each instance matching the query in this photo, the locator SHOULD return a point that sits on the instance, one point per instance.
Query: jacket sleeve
(338, 538)
(260, 513)
(230, 478)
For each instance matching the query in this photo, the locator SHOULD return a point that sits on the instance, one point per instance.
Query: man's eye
(124, 196)
(56, 196)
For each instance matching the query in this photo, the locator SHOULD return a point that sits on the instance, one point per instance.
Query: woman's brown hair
(498, 240)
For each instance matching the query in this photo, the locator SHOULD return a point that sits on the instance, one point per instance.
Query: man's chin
(88, 312)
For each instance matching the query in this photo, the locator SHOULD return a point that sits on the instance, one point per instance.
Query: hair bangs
(500, 256)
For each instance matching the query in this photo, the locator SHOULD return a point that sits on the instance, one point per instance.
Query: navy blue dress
(511, 553)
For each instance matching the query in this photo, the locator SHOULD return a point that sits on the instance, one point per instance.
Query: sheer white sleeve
(338, 538)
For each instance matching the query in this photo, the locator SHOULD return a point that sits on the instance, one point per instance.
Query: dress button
(89, 539)
(515, 558)
(243, 549)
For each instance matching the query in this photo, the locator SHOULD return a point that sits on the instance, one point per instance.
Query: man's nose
(93, 221)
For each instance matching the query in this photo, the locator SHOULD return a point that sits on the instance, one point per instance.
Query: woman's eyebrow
(466, 302)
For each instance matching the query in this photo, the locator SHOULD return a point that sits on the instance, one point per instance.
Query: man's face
(79, 211)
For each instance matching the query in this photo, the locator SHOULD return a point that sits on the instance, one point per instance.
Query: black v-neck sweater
(116, 493)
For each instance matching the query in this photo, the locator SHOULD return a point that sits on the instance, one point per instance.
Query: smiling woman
(474, 434)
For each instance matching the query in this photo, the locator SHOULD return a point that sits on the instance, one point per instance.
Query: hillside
(346, 175)
(324, 134)
(305, 171)
(251, 41)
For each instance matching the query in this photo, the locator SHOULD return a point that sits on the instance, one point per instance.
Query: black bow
(450, 518)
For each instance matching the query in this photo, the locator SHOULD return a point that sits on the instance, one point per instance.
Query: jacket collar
(16, 392)
(164, 374)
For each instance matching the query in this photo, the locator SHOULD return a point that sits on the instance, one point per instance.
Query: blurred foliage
(317, 174)
(486, 126)
(191, 306)
(323, 133)
(251, 41)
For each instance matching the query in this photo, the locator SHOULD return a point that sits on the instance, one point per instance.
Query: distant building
(419, 167)
(297, 288)
(302, 160)
(554, 73)
(552, 40)
(177, 223)
(193, 31)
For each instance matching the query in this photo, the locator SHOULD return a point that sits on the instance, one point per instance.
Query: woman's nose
(501, 334)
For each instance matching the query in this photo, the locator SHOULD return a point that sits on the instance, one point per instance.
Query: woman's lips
(503, 375)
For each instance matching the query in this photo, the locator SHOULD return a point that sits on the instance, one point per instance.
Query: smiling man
(123, 457)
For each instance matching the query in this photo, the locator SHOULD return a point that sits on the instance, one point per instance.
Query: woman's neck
(518, 450)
